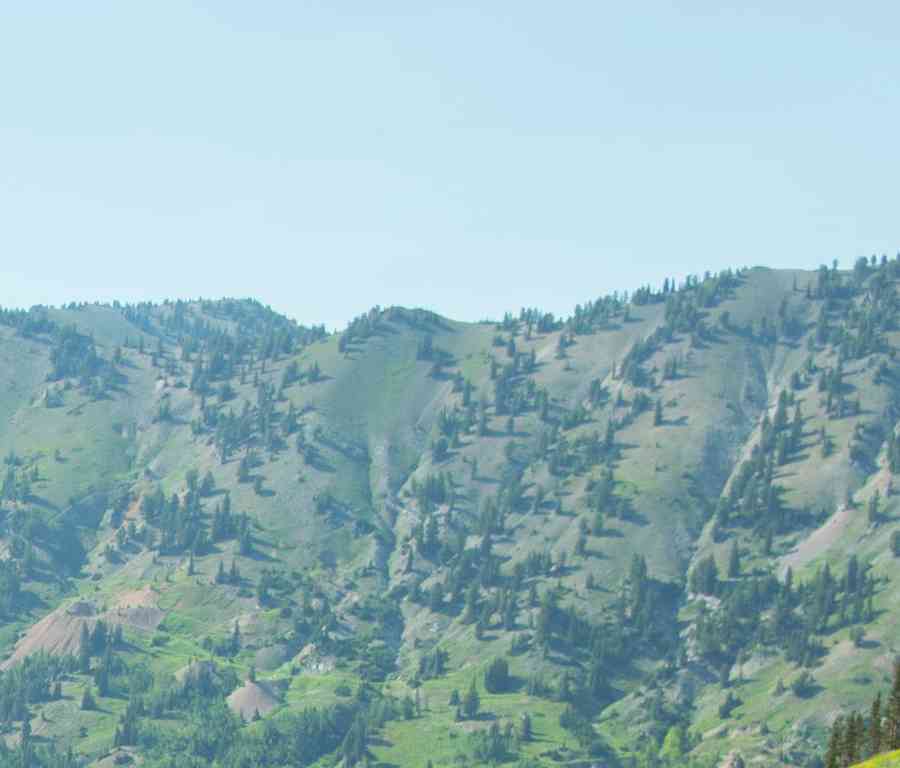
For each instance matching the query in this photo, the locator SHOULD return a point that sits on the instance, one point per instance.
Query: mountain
(660, 531)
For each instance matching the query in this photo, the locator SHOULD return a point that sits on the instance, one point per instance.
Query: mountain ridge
(603, 503)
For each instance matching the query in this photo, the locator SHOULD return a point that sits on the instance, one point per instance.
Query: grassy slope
(379, 399)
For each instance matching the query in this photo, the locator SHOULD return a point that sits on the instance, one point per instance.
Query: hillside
(655, 532)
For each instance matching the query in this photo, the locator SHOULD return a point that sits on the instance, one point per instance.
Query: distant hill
(655, 532)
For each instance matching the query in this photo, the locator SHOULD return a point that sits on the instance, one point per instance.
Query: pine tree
(84, 651)
(835, 741)
(875, 727)
(235, 639)
(208, 485)
(526, 729)
(471, 609)
(87, 699)
(101, 678)
(893, 713)
(734, 562)
(852, 739)
(873, 509)
(471, 702)
(496, 677)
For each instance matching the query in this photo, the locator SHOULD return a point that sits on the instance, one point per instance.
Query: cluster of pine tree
(753, 498)
(855, 737)
(794, 615)
(37, 679)
(206, 732)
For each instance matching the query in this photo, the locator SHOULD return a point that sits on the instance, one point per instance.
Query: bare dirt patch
(251, 698)
(818, 541)
(59, 632)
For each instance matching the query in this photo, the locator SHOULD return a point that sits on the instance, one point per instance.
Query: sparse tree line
(855, 736)
(760, 611)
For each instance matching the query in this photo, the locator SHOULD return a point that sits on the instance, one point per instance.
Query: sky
(472, 158)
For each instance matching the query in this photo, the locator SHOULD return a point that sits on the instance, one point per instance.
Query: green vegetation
(854, 735)
(653, 533)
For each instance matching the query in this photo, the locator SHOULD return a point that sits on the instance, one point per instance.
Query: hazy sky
(467, 157)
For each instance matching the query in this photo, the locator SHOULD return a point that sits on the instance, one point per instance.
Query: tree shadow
(259, 556)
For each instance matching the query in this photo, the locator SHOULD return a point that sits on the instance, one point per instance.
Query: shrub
(804, 685)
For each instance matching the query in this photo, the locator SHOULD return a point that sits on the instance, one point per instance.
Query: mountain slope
(670, 517)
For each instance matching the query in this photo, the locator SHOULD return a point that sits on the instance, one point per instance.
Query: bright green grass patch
(321, 690)
(887, 760)
(402, 741)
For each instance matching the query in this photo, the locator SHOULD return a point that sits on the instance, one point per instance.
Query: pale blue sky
(467, 157)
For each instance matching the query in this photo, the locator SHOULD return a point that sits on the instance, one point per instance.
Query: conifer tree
(833, 754)
(873, 512)
(87, 699)
(84, 651)
(850, 745)
(734, 562)
(893, 713)
(235, 639)
(471, 702)
(526, 729)
(874, 744)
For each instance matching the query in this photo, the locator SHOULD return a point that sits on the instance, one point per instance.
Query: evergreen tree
(874, 744)
(893, 712)
(101, 677)
(834, 753)
(873, 512)
(87, 699)
(235, 639)
(734, 562)
(496, 677)
(471, 609)
(526, 731)
(246, 542)
(84, 651)
(471, 702)
(852, 739)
